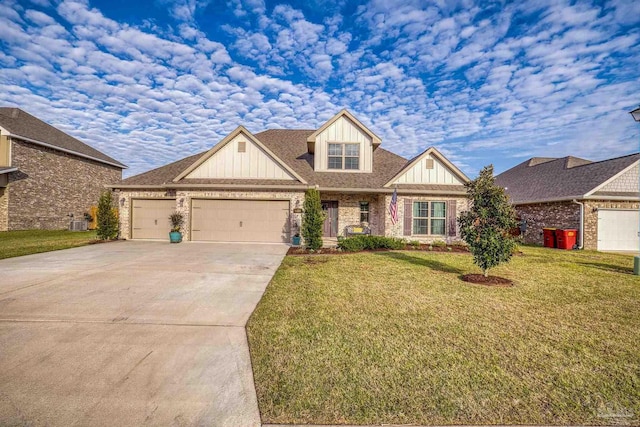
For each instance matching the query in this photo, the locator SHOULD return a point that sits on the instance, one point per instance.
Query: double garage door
(617, 230)
(216, 220)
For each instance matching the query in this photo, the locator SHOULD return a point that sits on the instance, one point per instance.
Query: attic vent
(429, 163)
(242, 146)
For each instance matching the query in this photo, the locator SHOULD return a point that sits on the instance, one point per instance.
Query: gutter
(64, 150)
(581, 222)
(572, 198)
(2, 172)
(282, 187)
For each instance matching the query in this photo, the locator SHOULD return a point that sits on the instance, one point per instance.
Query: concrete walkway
(131, 333)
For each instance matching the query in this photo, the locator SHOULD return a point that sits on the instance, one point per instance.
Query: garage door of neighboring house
(617, 230)
(150, 219)
(240, 220)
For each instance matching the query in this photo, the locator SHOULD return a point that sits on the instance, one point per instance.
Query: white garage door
(240, 220)
(150, 218)
(617, 230)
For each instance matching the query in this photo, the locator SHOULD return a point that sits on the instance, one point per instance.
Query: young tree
(487, 224)
(107, 220)
(312, 220)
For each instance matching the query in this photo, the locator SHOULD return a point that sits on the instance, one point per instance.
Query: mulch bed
(299, 250)
(479, 279)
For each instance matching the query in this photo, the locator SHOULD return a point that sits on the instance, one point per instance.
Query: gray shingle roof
(290, 146)
(21, 123)
(544, 179)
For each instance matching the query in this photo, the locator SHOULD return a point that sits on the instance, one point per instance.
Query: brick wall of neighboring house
(349, 210)
(397, 229)
(591, 218)
(547, 215)
(50, 185)
(4, 205)
(183, 202)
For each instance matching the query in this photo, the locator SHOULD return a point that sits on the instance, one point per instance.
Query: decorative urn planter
(295, 240)
(175, 237)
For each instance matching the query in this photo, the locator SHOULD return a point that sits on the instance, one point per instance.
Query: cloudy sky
(149, 82)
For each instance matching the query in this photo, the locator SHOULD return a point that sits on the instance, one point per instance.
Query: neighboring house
(600, 199)
(46, 175)
(250, 187)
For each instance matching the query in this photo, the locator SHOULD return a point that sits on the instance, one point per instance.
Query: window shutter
(408, 216)
(452, 217)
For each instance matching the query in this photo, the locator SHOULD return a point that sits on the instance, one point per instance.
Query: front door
(330, 227)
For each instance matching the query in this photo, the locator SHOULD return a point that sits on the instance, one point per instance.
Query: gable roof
(434, 152)
(22, 125)
(344, 113)
(564, 178)
(239, 130)
(290, 146)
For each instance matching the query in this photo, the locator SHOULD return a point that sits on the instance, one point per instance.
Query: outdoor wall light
(181, 202)
(122, 200)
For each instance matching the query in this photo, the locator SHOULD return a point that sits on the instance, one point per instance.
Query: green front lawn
(18, 243)
(397, 337)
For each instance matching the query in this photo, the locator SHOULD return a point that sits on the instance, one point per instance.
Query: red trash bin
(566, 238)
(549, 235)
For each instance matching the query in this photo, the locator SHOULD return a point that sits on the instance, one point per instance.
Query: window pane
(364, 206)
(335, 162)
(438, 210)
(437, 226)
(351, 163)
(420, 209)
(419, 226)
(352, 150)
(335, 149)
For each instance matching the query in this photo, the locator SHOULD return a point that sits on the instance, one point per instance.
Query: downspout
(581, 222)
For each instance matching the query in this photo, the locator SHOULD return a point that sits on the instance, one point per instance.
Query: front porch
(344, 210)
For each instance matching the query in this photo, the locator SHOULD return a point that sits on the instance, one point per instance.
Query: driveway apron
(131, 333)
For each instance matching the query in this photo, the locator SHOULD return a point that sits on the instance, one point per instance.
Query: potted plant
(177, 221)
(295, 240)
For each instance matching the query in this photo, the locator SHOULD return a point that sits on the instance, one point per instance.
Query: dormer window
(344, 156)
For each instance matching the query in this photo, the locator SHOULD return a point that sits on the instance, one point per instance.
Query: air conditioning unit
(78, 225)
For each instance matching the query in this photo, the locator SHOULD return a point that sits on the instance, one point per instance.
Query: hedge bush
(361, 243)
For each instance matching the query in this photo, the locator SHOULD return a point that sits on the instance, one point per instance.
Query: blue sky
(150, 82)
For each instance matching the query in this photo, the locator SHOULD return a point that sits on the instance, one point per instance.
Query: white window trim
(344, 156)
(429, 218)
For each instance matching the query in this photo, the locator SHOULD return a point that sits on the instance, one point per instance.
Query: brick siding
(591, 218)
(547, 215)
(49, 185)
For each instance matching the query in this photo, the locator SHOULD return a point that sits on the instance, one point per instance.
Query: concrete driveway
(131, 333)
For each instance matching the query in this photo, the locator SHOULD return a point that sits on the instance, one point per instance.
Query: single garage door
(617, 230)
(150, 218)
(240, 220)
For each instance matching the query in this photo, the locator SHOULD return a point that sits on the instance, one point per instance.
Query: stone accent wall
(50, 185)
(397, 229)
(349, 210)
(183, 204)
(4, 209)
(628, 181)
(548, 215)
(591, 218)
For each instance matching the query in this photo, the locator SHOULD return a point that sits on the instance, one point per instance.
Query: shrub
(439, 244)
(487, 224)
(177, 221)
(312, 220)
(361, 243)
(414, 243)
(107, 219)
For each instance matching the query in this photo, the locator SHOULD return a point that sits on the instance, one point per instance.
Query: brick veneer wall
(591, 218)
(183, 203)
(4, 206)
(397, 229)
(50, 185)
(548, 215)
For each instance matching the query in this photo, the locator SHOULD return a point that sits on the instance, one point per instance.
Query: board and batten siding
(253, 163)
(420, 174)
(343, 130)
